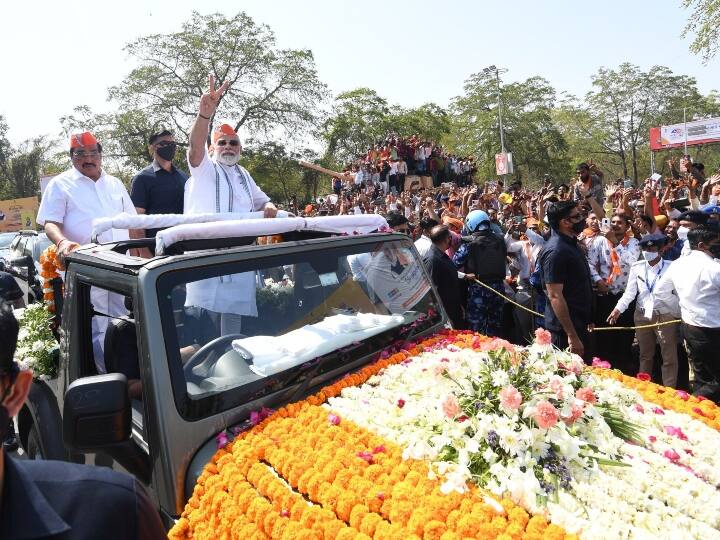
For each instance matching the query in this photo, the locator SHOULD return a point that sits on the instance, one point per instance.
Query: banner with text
(673, 136)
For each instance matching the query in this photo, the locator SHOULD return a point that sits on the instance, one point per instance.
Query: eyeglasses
(79, 154)
(223, 142)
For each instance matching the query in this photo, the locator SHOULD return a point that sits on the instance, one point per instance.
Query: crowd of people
(585, 254)
(397, 164)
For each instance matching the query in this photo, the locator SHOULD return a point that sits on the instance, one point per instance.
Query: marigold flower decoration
(50, 269)
(302, 473)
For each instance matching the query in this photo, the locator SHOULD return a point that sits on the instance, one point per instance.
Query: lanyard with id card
(649, 303)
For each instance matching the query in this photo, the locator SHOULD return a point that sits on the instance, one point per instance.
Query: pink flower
(586, 394)
(546, 415)
(652, 438)
(378, 449)
(510, 398)
(672, 455)
(597, 362)
(643, 376)
(698, 410)
(700, 398)
(639, 408)
(400, 403)
(450, 406)
(658, 410)
(557, 387)
(222, 439)
(576, 412)
(689, 452)
(284, 512)
(334, 419)
(439, 369)
(676, 432)
(682, 394)
(367, 456)
(543, 337)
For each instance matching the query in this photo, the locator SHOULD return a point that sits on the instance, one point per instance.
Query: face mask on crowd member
(226, 145)
(690, 220)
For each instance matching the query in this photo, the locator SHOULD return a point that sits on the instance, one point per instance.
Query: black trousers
(704, 346)
(616, 346)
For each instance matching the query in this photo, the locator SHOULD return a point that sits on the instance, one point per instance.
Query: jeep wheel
(34, 450)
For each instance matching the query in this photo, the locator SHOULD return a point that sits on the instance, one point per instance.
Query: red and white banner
(674, 136)
(503, 164)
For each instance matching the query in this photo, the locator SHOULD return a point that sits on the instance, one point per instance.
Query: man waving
(218, 183)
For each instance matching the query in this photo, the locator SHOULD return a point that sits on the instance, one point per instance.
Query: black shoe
(10, 443)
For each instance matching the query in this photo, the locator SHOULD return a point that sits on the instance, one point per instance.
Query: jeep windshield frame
(194, 400)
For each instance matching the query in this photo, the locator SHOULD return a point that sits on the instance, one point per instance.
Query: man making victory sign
(218, 184)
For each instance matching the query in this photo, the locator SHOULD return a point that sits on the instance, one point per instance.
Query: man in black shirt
(445, 276)
(54, 499)
(159, 188)
(566, 276)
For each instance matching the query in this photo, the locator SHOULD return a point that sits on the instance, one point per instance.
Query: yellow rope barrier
(639, 327)
(513, 302)
(597, 329)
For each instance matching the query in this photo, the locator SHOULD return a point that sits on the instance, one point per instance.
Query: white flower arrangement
(585, 451)
(37, 348)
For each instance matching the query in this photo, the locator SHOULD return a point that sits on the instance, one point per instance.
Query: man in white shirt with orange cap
(218, 184)
(70, 203)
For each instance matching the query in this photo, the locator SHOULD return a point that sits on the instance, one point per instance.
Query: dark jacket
(445, 277)
(67, 501)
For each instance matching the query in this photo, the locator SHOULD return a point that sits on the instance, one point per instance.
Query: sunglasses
(223, 142)
(82, 154)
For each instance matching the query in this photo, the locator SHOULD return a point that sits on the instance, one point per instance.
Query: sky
(58, 55)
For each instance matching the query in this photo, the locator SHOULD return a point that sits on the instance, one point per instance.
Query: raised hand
(210, 100)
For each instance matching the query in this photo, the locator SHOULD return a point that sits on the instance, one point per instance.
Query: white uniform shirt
(643, 283)
(696, 281)
(214, 187)
(73, 199)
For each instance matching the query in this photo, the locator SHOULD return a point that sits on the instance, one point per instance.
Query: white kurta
(214, 187)
(73, 199)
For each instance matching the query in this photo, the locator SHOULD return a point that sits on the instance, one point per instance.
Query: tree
(358, 120)
(272, 91)
(429, 122)
(537, 145)
(21, 166)
(624, 103)
(704, 24)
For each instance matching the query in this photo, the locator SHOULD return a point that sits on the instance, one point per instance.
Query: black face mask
(167, 152)
(578, 226)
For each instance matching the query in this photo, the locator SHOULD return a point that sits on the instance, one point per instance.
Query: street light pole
(502, 131)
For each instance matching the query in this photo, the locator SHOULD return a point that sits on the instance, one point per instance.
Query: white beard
(227, 159)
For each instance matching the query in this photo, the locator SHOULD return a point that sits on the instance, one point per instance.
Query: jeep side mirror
(96, 412)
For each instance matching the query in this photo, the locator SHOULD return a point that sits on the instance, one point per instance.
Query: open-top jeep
(325, 305)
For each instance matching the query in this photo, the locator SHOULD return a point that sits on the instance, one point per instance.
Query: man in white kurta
(69, 204)
(218, 184)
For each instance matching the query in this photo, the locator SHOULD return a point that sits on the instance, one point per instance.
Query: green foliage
(272, 91)
(536, 143)
(704, 24)
(21, 166)
(37, 348)
(360, 118)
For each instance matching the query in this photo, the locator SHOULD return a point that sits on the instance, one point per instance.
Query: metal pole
(502, 134)
(685, 128)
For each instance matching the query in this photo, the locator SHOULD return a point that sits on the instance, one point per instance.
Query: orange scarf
(615, 260)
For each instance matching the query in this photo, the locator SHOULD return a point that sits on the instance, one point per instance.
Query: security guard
(58, 500)
(483, 254)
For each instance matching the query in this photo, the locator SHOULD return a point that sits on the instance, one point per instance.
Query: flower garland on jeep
(50, 269)
(37, 349)
(462, 436)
